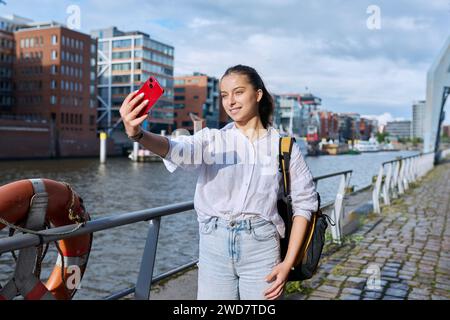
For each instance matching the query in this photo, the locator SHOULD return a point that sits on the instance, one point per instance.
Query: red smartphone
(152, 92)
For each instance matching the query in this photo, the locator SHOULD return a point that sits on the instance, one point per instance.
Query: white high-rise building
(11, 23)
(125, 62)
(418, 117)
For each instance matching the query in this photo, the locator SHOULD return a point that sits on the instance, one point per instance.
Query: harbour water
(121, 186)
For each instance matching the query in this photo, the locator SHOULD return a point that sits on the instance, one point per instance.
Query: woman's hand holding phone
(129, 111)
(135, 108)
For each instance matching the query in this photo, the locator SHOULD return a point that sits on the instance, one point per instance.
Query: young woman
(237, 190)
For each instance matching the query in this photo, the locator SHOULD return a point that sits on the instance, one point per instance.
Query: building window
(54, 39)
(121, 66)
(138, 42)
(121, 55)
(54, 54)
(53, 84)
(122, 43)
(53, 100)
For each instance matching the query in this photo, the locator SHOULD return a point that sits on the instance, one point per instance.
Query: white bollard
(103, 137)
(135, 151)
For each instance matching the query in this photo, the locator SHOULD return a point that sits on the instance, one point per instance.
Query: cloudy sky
(323, 46)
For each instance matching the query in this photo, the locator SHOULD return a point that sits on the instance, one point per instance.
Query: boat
(367, 146)
(145, 155)
(334, 148)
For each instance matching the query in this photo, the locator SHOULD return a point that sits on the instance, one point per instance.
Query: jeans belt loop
(249, 225)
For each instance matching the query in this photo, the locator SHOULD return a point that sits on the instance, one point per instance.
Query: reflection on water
(121, 186)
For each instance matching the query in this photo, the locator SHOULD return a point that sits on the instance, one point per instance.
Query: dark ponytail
(265, 105)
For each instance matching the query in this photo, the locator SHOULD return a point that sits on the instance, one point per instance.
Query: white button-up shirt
(239, 179)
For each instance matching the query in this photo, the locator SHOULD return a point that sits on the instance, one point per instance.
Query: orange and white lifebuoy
(31, 204)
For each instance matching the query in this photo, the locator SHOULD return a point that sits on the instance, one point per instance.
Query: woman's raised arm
(129, 111)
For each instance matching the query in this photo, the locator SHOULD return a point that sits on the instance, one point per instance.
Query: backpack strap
(285, 150)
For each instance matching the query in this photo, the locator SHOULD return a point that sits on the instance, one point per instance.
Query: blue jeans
(235, 257)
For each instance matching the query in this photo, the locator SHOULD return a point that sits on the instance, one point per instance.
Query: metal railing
(445, 153)
(395, 176)
(338, 209)
(145, 277)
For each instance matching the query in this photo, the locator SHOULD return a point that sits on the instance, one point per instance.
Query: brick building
(198, 94)
(329, 125)
(6, 70)
(53, 78)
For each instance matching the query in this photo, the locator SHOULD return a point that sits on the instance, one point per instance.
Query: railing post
(394, 183)
(416, 167)
(420, 166)
(387, 185)
(412, 169)
(144, 280)
(376, 191)
(397, 183)
(406, 173)
(339, 209)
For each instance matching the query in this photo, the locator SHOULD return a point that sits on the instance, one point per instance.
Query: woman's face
(239, 98)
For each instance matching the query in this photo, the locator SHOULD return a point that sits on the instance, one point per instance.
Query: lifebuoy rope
(80, 221)
(40, 233)
(41, 255)
(26, 280)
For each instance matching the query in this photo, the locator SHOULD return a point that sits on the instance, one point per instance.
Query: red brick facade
(52, 85)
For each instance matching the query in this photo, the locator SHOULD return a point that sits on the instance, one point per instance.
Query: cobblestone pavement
(401, 254)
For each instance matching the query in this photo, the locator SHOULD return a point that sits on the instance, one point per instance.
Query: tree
(381, 136)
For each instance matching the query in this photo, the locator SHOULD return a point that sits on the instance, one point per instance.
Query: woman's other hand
(278, 276)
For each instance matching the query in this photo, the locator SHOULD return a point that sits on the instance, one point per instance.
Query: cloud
(197, 23)
(384, 118)
(407, 23)
(324, 45)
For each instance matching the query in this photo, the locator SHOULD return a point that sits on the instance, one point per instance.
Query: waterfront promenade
(401, 254)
